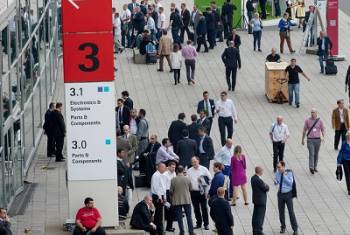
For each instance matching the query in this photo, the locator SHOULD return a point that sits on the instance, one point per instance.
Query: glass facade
(29, 65)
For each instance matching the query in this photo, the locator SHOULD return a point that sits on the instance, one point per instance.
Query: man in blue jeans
(292, 74)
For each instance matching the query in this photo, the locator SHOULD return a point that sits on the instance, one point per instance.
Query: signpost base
(101, 191)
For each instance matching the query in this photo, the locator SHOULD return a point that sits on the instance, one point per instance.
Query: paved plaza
(322, 206)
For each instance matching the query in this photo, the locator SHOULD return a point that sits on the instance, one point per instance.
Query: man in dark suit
(5, 225)
(148, 159)
(142, 216)
(220, 212)
(127, 100)
(58, 131)
(186, 148)
(175, 129)
(262, 4)
(124, 171)
(186, 18)
(227, 16)
(205, 148)
(193, 128)
(203, 121)
(324, 46)
(138, 20)
(260, 189)
(211, 23)
(232, 60)
(48, 131)
(250, 11)
(208, 105)
(122, 114)
(201, 31)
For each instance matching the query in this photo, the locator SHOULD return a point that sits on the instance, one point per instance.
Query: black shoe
(197, 227)
(229, 88)
(283, 230)
(160, 70)
(312, 171)
(295, 233)
(206, 227)
(259, 50)
(171, 70)
(170, 229)
(348, 192)
(292, 52)
(206, 51)
(60, 160)
(316, 170)
(298, 105)
(336, 148)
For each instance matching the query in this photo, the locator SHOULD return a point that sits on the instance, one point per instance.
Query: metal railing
(29, 66)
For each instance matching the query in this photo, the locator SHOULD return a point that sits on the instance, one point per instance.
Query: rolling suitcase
(331, 68)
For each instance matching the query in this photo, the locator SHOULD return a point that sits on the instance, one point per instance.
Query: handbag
(339, 173)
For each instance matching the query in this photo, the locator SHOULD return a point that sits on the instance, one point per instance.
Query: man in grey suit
(186, 148)
(194, 22)
(260, 189)
(142, 132)
(180, 188)
(132, 139)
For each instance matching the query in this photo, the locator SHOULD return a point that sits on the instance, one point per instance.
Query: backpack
(151, 48)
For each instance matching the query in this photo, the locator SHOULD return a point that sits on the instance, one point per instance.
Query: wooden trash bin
(276, 84)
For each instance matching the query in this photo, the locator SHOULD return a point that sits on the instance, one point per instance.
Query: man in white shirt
(165, 153)
(158, 190)
(279, 134)
(224, 156)
(161, 21)
(169, 212)
(227, 114)
(117, 24)
(126, 20)
(196, 174)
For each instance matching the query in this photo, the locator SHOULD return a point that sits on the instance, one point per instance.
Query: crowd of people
(177, 167)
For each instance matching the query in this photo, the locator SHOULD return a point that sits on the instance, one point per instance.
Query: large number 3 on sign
(95, 63)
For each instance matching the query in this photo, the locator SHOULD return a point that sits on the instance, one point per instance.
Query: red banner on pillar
(333, 25)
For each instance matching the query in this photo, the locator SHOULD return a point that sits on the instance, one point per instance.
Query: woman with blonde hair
(238, 174)
(257, 30)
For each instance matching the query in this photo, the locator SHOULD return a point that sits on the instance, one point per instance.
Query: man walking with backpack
(313, 128)
(287, 191)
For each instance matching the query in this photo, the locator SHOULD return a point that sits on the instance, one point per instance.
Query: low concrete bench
(137, 57)
(125, 232)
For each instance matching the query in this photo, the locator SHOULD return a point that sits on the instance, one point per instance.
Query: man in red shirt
(88, 220)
